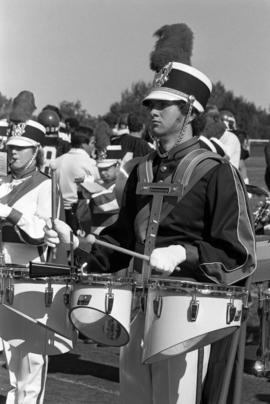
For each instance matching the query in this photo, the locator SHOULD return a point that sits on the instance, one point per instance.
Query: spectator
(131, 146)
(135, 125)
(76, 164)
(88, 130)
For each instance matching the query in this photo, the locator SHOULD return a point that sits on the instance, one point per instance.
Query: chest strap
(175, 185)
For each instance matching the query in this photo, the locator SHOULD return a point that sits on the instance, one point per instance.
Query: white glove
(166, 259)
(4, 210)
(60, 234)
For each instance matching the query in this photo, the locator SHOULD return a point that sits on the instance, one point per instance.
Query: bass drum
(182, 316)
(33, 314)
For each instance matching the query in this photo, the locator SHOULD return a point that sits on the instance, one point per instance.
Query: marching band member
(24, 208)
(208, 233)
(56, 142)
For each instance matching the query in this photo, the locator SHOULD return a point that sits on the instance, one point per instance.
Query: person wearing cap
(205, 236)
(24, 209)
(132, 146)
(56, 142)
(103, 203)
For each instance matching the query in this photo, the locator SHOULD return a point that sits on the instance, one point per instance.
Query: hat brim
(21, 142)
(107, 163)
(163, 95)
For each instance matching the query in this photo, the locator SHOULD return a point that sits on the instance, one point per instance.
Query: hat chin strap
(32, 158)
(186, 121)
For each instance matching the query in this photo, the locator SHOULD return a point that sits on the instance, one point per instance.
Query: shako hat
(110, 156)
(178, 81)
(26, 134)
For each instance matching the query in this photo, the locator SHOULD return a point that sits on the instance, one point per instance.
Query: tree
(131, 101)
(5, 104)
(70, 109)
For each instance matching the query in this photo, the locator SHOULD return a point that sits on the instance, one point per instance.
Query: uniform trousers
(27, 375)
(170, 381)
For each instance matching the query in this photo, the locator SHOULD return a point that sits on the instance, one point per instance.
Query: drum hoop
(191, 287)
(105, 280)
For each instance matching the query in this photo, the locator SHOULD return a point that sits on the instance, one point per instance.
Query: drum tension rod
(194, 307)
(231, 311)
(49, 293)
(109, 299)
(10, 290)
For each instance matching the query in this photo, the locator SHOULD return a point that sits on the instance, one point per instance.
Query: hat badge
(17, 129)
(163, 75)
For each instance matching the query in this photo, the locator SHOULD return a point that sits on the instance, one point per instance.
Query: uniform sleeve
(227, 252)
(31, 224)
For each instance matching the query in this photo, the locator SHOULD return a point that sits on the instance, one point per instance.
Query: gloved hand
(165, 259)
(60, 234)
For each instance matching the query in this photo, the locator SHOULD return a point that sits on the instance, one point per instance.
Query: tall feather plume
(174, 43)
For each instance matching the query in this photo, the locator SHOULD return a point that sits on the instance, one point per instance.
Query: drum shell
(93, 320)
(28, 323)
(173, 333)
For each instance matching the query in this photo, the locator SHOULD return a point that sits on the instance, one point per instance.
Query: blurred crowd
(92, 164)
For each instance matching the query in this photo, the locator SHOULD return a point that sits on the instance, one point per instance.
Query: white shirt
(76, 163)
(232, 147)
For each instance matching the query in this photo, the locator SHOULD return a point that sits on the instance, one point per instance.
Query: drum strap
(199, 375)
(26, 186)
(188, 172)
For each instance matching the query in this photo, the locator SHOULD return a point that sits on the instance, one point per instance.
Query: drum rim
(157, 282)
(105, 279)
(127, 334)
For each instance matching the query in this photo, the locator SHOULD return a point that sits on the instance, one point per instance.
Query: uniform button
(163, 169)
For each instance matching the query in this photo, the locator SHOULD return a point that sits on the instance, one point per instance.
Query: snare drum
(182, 316)
(33, 313)
(100, 308)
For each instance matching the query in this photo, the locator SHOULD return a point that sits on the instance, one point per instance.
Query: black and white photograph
(135, 202)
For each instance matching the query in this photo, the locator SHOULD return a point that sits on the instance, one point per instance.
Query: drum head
(99, 326)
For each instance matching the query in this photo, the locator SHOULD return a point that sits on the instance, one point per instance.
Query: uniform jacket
(212, 221)
(23, 230)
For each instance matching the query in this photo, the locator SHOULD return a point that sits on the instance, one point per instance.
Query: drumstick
(92, 239)
(54, 201)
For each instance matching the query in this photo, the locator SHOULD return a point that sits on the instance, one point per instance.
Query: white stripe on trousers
(27, 375)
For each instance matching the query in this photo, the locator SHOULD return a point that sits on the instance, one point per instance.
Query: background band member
(24, 208)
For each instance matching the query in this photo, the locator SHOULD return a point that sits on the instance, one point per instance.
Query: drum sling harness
(188, 172)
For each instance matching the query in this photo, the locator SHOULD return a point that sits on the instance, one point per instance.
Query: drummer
(208, 234)
(23, 211)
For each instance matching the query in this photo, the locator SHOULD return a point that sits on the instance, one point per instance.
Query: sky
(93, 50)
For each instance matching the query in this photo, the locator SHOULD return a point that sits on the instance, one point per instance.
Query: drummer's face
(19, 157)
(166, 117)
